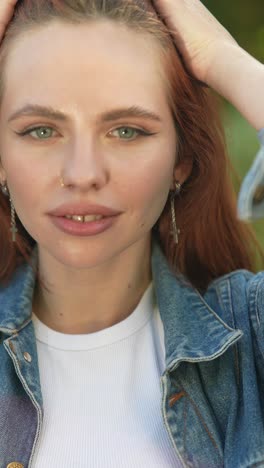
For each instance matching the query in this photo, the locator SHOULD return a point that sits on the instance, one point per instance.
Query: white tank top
(102, 395)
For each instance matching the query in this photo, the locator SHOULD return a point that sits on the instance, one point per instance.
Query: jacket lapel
(192, 329)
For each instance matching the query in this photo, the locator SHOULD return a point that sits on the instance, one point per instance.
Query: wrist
(239, 78)
(227, 62)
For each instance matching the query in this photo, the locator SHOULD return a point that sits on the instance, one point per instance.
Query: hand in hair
(213, 56)
(197, 33)
(6, 13)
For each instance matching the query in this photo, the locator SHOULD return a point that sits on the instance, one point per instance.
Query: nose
(84, 165)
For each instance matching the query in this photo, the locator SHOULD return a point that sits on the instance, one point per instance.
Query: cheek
(27, 201)
(155, 194)
(147, 187)
(21, 176)
(25, 186)
(27, 172)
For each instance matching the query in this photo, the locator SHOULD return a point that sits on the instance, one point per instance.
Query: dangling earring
(13, 228)
(175, 231)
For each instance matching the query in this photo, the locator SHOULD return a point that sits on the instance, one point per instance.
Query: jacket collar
(16, 297)
(192, 330)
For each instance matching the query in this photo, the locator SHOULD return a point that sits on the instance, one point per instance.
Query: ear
(182, 171)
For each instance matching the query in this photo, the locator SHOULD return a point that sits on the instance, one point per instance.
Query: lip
(83, 209)
(75, 228)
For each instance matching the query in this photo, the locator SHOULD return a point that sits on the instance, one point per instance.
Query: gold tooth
(81, 218)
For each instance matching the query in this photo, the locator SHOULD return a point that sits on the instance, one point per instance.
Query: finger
(6, 12)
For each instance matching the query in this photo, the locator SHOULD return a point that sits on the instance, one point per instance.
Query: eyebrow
(109, 116)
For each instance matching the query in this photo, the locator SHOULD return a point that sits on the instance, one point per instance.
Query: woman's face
(83, 73)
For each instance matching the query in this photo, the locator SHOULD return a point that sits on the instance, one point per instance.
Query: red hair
(212, 241)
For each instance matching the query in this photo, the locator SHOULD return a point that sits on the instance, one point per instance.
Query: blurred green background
(244, 19)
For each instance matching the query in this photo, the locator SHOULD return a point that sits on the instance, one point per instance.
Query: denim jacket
(212, 390)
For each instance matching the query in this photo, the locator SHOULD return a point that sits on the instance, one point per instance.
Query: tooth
(89, 218)
(82, 219)
(92, 218)
(78, 218)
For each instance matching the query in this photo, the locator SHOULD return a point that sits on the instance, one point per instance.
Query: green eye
(38, 133)
(42, 133)
(127, 132)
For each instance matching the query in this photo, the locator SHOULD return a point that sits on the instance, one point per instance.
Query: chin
(79, 256)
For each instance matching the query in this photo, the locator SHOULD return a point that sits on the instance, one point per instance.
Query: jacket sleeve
(251, 195)
(238, 298)
(255, 294)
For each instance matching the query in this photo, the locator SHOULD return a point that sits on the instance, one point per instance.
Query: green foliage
(244, 19)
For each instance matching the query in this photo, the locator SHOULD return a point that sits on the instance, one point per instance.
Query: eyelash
(142, 133)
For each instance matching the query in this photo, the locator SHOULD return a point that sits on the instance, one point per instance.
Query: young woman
(131, 322)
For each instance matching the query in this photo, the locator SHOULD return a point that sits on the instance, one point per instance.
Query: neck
(97, 298)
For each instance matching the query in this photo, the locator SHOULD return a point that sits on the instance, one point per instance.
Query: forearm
(239, 77)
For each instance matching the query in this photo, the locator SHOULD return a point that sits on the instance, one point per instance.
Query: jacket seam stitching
(29, 393)
(257, 313)
(216, 316)
(228, 276)
(211, 437)
(235, 349)
(184, 425)
(14, 331)
(256, 303)
(253, 292)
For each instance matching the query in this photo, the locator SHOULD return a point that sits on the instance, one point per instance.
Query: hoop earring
(175, 231)
(13, 227)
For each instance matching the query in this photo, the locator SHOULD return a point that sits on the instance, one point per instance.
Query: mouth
(88, 225)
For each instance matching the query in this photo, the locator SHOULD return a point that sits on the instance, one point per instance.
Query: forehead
(98, 62)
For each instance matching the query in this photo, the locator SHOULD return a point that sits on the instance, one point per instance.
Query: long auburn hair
(212, 240)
